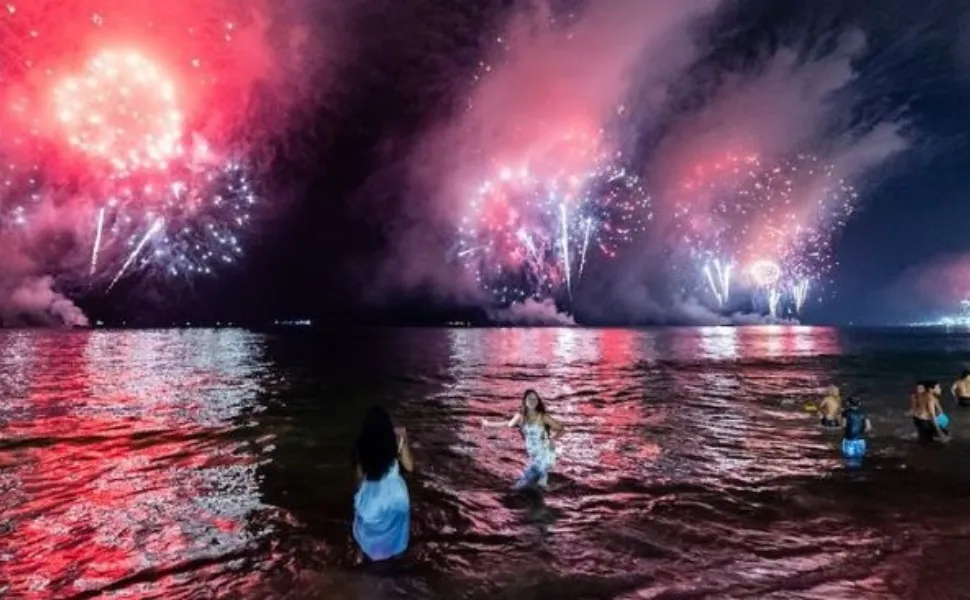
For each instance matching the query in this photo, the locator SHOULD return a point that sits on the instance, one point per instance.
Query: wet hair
(965, 374)
(376, 447)
(929, 384)
(853, 402)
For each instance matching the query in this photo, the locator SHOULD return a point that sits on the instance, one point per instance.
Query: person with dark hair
(855, 426)
(539, 430)
(961, 389)
(382, 506)
(928, 417)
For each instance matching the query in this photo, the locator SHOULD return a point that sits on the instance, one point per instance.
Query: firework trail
(586, 232)
(799, 294)
(774, 298)
(564, 241)
(719, 280)
(154, 229)
(96, 248)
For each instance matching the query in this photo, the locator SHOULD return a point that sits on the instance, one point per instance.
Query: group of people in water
(382, 511)
(925, 407)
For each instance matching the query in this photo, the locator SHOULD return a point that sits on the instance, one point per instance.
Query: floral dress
(542, 457)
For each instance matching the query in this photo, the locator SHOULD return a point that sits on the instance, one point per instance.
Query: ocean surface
(216, 464)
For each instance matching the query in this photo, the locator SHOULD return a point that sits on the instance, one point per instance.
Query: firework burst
(778, 218)
(529, 236)
(125, 122)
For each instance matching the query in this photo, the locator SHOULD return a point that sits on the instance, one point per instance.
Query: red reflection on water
(583, 378)
(102, 486)
(619, 420)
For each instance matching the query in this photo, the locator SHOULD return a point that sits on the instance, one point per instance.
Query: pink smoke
(542, 101)
(788, 106)
(938, 285)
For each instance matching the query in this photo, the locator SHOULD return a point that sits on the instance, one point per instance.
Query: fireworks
(528, 236)
(195, 223)
(744, 207)
(125, 124)
(719, 279)
(123, 110)
(764, 273)
(799, 294)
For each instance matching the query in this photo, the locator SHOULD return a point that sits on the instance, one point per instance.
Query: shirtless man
(830, 409)
(961, 389)
(925, 412)
(920, 390)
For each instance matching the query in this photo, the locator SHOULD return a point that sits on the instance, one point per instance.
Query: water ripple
(185, 464)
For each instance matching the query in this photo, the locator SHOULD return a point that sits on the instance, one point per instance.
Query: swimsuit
(963, 401)
(541, 455)
(382, 515)
(830, 422)
(926, 430)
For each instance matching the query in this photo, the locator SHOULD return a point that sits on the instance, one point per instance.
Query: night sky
(354, 219)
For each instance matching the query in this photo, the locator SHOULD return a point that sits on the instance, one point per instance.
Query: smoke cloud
(636, 81)
(30, 299)
(933, 288)
(793, 103)
(531, 312)
(549, 89)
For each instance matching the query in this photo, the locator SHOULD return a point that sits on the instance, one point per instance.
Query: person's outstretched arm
(515, 421)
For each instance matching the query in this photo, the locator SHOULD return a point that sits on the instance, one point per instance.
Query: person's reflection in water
(382, 507)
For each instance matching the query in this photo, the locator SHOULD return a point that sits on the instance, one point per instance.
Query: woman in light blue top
(382, 507)
(539, 430)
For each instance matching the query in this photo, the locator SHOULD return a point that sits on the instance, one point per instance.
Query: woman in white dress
(539, 430)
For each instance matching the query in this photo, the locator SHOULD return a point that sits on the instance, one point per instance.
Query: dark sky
(343, 180)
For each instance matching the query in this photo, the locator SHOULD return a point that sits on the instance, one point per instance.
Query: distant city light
(298, 323)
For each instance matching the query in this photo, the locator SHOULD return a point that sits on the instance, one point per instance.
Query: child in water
(539, 430)
(856, 426)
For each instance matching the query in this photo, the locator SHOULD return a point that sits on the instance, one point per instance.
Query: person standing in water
(914, 398)
(928, 414)
(539, 430)
(382, 506)
(855, 426)
(831, 407)
(961, 389)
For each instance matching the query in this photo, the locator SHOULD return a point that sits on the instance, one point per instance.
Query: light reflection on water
(215, 463)
(110, 474)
